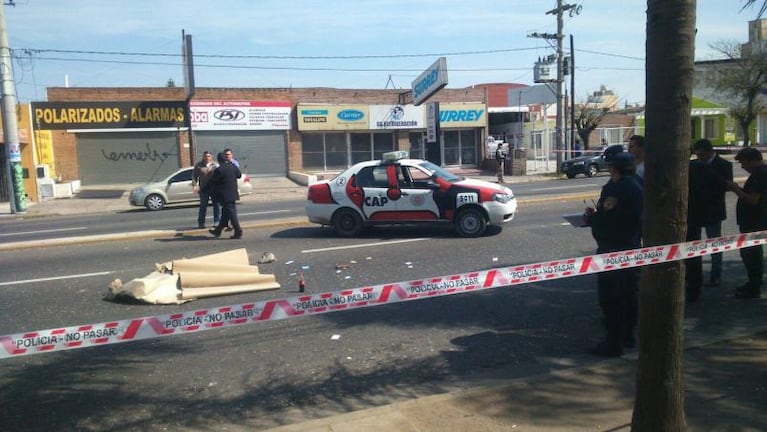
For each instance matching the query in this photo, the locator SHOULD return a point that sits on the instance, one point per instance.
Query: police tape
(113, 332)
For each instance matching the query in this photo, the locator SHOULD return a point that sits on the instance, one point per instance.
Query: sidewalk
(726, 391)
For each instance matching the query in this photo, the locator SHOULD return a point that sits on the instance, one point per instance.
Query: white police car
(398, 190)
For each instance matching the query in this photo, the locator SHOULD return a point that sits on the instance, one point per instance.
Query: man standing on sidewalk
(500, 160)
(200, 176)
(751, 214)
(716, 174)
(223, 184)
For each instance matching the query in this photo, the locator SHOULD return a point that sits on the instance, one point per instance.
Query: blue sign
(431, 80)
(351, 115)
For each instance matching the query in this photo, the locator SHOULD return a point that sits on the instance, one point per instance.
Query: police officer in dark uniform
(751, 214)
(616, 224)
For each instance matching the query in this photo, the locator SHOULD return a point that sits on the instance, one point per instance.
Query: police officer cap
(611, 151)
(623, 162)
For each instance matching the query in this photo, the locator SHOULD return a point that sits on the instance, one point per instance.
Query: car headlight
(502, 197)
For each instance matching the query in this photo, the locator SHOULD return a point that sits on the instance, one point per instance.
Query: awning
(708, 111)
(522, 108)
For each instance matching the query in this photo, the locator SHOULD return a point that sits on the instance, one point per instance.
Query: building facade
(134, 135)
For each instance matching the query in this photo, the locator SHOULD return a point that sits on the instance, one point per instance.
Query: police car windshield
(440, 172)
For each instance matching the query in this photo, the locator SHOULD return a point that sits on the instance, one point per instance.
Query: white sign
(239, 115)
(396, 117)
(431, 80)
(432, 122)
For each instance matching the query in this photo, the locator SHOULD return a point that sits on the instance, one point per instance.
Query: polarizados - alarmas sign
(107, 115)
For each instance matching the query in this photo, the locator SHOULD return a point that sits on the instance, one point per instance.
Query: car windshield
(439, 171)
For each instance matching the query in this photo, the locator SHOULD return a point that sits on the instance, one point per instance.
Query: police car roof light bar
(394, 156)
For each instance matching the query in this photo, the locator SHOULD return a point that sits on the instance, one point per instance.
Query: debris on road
(186, 279)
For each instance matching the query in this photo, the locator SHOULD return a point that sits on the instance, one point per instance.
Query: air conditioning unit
(43, 171)
(46, 188)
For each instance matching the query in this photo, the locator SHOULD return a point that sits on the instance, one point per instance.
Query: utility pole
(573, 129)
(16, 194)
(561, 8)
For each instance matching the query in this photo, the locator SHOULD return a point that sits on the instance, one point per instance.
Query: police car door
(417, 200)
(376, 205)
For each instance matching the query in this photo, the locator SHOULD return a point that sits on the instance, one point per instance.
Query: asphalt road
(267, 374)
(183, 217)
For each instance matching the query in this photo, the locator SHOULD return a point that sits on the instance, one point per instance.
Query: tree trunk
(744, 127)
(659, 403)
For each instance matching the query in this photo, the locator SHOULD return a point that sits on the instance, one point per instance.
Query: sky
(338, 43)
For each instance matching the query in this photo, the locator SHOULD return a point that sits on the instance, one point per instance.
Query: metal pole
(16, 195)
(574, 131)
(560, 106)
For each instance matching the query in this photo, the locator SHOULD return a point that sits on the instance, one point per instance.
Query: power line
(269, 67)
(276, 57)
(30, 51)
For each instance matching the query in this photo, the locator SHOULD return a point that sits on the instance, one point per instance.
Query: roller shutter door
(260, 153)
(135, 157)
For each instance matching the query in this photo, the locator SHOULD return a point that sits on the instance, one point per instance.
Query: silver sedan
(176, 188)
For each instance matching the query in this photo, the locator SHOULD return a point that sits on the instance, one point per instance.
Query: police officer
(751, 215)
(500, 160)
(616, 224)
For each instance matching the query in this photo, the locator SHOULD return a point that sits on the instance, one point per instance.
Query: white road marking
(545, 189)
(44, 231)
(75, 276)
(364, 245)
(264, 212)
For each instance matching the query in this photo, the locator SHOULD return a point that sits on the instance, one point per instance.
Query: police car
(398, 190)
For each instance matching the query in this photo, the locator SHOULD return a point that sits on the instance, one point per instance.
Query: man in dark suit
(223, 184)
(716, 173)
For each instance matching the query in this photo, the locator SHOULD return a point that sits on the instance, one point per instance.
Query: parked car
(397, 190)
(175, 188)
(589, 165)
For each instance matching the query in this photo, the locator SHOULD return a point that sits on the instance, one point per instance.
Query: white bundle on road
(186, 279)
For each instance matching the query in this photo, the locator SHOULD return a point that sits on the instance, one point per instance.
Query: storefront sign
(396, 117)
(430, 81)
(462, 115)
(333, 117)
(432, 122)
(107, 115)
(239, 115)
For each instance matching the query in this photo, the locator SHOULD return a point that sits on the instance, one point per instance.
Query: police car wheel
(154, 202)
(470, 223)
(347, 223)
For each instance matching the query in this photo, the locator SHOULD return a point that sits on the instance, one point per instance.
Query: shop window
(452, 147)
(362, 150)
(416, 145)
(382, 143)
(324, 152)
(335, 151)
(313, 151)
(468, 147)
